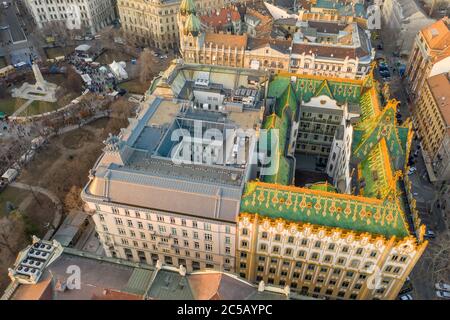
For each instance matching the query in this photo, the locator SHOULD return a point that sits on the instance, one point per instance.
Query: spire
(187, 7)
(192, 25)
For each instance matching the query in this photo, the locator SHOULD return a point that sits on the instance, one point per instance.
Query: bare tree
(436, 258)
(73, 199)
(146, 66)
(12, 232)
(73, 80)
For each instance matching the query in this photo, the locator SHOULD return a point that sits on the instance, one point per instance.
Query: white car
(442, 286)
(443, 294)
(406, 297)
(430, 234)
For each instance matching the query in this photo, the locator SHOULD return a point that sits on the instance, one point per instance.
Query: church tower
(191, 35)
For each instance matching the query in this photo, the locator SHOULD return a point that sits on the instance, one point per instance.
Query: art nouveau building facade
(323, 262)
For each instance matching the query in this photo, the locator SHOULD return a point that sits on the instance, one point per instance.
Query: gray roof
(137, 170)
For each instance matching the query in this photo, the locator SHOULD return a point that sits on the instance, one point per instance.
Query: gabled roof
(232, 40)
(324, 89)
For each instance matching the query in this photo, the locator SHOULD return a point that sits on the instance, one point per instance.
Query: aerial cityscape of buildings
(224, 150)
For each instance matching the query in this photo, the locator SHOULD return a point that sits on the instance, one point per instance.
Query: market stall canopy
(118, 68)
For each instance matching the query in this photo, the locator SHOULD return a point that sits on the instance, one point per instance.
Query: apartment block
(154, 22)
(432, 116)
(93, 14)
(164, 189)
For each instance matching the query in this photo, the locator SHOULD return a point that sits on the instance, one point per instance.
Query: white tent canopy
(118, 69)
(87, 79)
(83, 48)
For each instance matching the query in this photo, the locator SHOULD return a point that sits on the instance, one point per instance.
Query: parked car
(443, 294)
(442, 286)
(406, 297)
(407, 287)
(429, 234)
(412, 170)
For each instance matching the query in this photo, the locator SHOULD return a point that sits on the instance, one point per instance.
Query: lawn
(38, 107)
(13, 195)
(135, 86)
(10, 105)
(54, 52)
(109, 56)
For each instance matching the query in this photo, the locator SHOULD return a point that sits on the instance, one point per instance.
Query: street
(426, 194)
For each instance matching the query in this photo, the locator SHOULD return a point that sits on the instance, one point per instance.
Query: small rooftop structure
(68, 233)
(31, 261)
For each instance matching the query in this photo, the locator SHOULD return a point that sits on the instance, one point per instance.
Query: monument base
(34, 92)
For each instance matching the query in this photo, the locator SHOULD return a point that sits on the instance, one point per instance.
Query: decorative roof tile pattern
(380, 149)
(324, 208)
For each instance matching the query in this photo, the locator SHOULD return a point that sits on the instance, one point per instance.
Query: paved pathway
(22, 108)
(58, 214)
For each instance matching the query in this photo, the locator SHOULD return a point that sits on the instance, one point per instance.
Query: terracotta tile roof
(440, 89)
(437, 35)
(232, 40)
(219, 18)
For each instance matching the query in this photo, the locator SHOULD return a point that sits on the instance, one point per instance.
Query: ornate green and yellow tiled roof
(192, 25)
(379, 150)
(285, 110)
(279, 161)
(325, 208)
(308, 86)
(324, 186)
(187, 7)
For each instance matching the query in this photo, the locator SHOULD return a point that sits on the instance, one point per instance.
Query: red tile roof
(219, 18)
